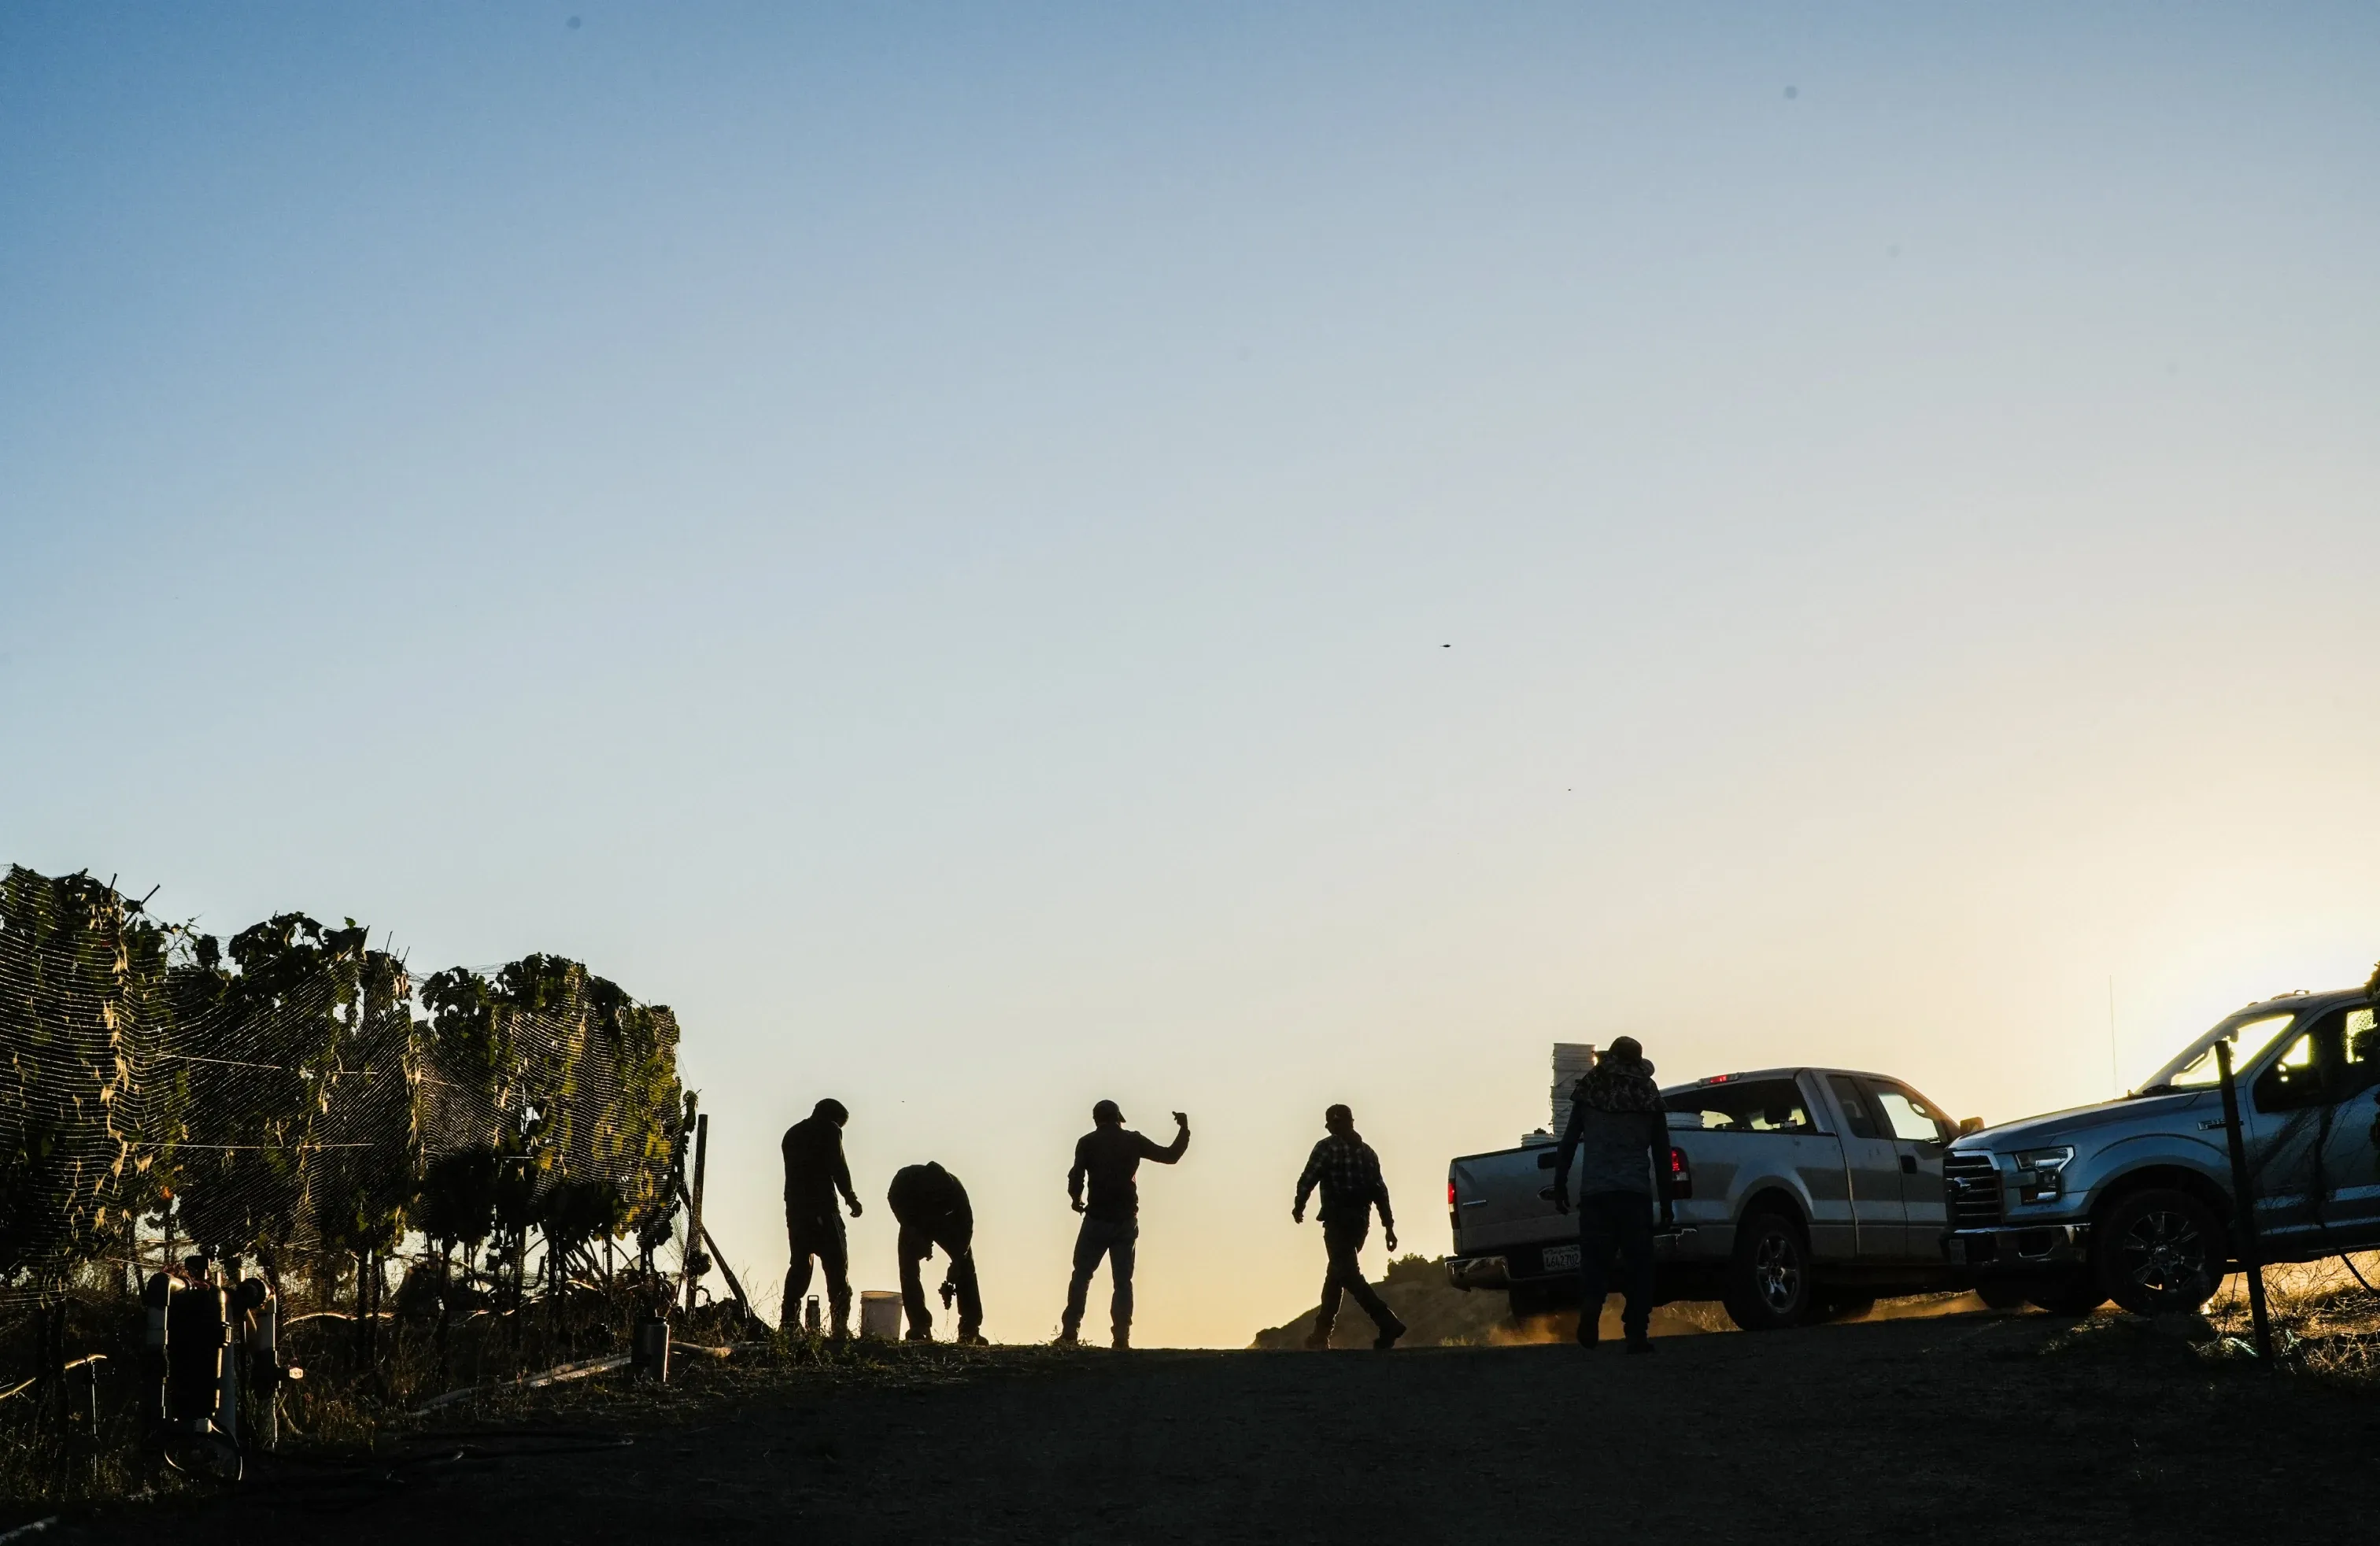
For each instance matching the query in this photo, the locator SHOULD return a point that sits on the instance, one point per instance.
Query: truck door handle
(2215, 1126)
(1475, 1203)
(1909, 1164)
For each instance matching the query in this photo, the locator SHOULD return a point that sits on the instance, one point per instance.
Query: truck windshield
(2195, 1069)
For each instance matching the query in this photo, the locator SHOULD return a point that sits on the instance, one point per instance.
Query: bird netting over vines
(293, 1091)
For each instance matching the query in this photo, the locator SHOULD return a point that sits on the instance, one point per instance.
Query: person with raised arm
(1107, 1158)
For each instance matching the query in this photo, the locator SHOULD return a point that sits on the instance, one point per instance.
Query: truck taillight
(1681, 1174)
(1450, 1191)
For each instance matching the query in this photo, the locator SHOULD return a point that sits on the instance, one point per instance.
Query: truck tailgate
(1496, 1201)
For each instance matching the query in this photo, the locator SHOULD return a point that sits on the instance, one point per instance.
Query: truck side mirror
(1969, 1124)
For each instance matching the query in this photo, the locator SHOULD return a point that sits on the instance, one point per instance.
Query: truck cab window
(2336, 1060)
(1854, 1104)
(2296, 1079)
(1744, 1106)
(2359, 1066)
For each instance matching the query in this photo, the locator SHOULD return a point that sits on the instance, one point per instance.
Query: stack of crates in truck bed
(1572, 1059)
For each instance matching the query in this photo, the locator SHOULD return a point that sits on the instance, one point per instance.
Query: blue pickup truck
(2132, 1200)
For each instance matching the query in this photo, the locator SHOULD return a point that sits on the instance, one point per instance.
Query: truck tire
(2078, 1295)
(2003, 1294)
(1768, 1284)
(2157, 1250)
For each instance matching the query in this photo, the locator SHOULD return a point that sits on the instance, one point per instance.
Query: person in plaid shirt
(1343, 1165)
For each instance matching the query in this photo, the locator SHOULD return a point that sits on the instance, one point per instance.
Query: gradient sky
(1228, 557)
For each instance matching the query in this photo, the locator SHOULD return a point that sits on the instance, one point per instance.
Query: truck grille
(1974, 1188)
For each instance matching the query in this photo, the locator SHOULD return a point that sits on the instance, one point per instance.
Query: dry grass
(357, 1393)
(2325, 1326)
(2326, 1323)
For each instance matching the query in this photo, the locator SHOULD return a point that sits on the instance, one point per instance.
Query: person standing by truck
(1618, 1132)
(815, 1170)
(1108, 1157)
(932, 1209)
(1347, 1170)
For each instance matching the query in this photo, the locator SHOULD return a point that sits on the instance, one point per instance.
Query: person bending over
(932, 1210)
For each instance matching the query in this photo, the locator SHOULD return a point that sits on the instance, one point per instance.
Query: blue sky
(1232, 558)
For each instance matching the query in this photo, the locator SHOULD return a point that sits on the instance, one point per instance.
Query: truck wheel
(1768, 1284)
(2157, 1250)
(2078, 1295)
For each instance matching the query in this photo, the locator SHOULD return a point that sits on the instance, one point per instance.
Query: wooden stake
(694, 1235)
(2243, 1205)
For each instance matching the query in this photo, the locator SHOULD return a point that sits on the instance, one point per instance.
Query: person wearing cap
(1108, 1157)
(1343, 1165)
(1619, 1131)
(934, 1210)
(815, 1171)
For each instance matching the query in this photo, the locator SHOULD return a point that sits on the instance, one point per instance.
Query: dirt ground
(1967, 1427)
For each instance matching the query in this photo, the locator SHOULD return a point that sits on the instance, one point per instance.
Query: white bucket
(880, 1314)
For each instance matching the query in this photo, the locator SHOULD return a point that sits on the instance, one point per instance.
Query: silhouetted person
(1343, 1165)
(932, 1210)
(1620, 1131)
(1108, 1156)
(815, 1170)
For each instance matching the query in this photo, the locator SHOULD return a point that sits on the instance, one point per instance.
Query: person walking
(1343, 1165)
(1108, 1157)
(932, 1210)
(1620, 1133)
(815, 1171)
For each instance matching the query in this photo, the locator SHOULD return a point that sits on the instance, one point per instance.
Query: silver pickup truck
(2132, 1200)
(1800, 1193)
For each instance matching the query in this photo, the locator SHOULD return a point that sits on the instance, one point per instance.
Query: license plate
(1561, 1258)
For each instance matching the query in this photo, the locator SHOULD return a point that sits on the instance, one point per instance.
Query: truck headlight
(2040, 1173)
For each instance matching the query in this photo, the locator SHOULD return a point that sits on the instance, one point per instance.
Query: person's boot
(1123, 1343)
(919, 1333)
(1389, 1334)
(1318, 1340)
(1066, 1338)
(1640, 1343)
